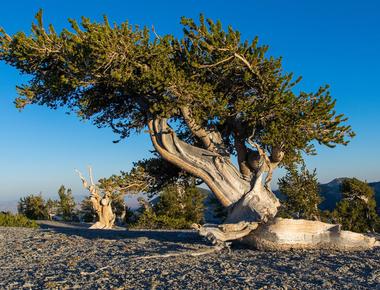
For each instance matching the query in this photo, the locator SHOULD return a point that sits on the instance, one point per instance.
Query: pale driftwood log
(101, 204)
(286, 234)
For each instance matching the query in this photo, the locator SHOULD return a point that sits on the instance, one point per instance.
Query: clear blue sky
(333, 42)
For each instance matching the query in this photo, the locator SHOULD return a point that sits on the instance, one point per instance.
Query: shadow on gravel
(82, 230)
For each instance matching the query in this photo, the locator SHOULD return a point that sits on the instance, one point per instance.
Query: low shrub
(178, 208)
(150, 220)
(16, 220)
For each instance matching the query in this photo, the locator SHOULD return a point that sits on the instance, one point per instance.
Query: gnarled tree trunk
(251, 204)
(246, 201)
(101, 204)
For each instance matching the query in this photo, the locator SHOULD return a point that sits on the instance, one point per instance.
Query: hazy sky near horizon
(327, 42)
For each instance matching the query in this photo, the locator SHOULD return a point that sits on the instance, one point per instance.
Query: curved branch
(241, 149)
(217, 172)
(211, 139)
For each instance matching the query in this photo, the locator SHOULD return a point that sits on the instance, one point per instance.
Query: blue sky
(327, 42)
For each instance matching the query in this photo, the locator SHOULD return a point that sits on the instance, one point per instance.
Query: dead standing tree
(101, 204)
(135, 181)
(201, 98)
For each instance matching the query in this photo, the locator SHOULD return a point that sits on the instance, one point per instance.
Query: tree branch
(218, 173)
(212, 140)
(241, 150)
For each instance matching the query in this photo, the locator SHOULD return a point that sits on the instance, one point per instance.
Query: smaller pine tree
(301, 190)
(178, 208)
(66, 203)
(357, 209)
(86, 212)
(177, 201)
(119, 207)
(33, 207)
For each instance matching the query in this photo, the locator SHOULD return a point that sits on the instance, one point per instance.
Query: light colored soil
(70, 256)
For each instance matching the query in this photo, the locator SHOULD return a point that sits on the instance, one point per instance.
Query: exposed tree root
(220, 234)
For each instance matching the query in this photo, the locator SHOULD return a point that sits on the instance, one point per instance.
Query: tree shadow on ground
(82, 230)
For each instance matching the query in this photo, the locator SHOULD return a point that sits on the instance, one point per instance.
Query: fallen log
(287, 234)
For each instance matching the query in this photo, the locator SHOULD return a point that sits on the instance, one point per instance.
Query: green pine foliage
(149, 175)
(16, 220)
(36, 208)
(86, 211)
(33, 207)
(301, 189)
(121, 76)
(150, 220)
(176, 201)
(118, 205)
(178, 208)
(357, 210)
(66, 204)
(220, 212)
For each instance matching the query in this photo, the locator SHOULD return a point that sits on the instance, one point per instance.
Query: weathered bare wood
(101, 204)
(285, 234)
(218, 234)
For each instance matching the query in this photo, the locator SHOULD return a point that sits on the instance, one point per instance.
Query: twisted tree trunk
(246, 201)
(251, 204)
(101, 204)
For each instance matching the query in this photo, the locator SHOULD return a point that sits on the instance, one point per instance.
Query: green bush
(149, 220)
(178, 208)
(301, 189)
(17, 220)
(33, 207)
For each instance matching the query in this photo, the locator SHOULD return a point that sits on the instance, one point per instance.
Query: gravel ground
(68, 257)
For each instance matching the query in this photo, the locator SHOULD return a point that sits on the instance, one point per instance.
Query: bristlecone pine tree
(204, 98)
(301, 189)
(357, 209)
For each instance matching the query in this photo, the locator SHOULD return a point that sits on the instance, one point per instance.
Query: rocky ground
(62, 257)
